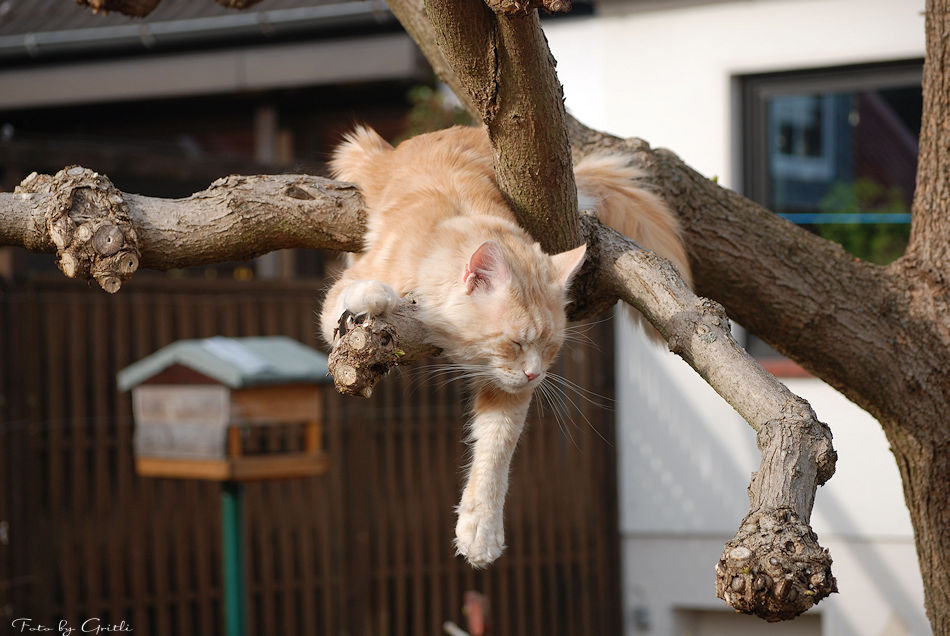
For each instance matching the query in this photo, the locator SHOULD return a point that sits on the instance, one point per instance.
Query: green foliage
(431, 110)
(879, 243)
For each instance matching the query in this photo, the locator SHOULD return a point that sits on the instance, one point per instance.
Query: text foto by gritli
(88, 626)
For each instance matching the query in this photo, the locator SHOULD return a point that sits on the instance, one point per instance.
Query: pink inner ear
(486, 268)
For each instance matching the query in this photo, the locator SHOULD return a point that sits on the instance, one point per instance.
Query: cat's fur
(492, 300)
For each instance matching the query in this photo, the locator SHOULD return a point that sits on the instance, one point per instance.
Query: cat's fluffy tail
(352, 157)
(605, 184)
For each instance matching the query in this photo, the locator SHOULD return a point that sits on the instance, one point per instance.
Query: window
(804, 133)
(835, 150)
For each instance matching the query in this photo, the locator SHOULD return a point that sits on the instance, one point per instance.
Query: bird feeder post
(232, 530)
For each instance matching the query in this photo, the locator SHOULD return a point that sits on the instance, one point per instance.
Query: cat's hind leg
(370, 297)
(495, 429)
(360, 297)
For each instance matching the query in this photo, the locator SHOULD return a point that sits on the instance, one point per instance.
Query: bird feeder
(196, 402)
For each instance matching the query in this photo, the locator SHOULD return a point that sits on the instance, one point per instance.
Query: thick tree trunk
(920, 433)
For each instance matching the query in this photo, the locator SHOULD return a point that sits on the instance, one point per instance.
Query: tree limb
(505, 68)
(838, 316)
(774, 567)
(235, 218)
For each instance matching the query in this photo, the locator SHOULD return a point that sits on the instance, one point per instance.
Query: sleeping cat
(492, 300)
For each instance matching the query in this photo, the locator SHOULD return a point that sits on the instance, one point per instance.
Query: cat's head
(513, 298)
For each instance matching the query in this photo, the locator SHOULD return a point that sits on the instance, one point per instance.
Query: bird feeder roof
(234, 362)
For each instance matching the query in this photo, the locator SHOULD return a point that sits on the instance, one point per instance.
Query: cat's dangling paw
(480, 538)
(371, 297)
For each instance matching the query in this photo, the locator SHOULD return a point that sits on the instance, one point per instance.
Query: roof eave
(177, 34)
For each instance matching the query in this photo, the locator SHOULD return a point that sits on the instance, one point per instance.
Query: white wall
(668, 76)
(685, 461)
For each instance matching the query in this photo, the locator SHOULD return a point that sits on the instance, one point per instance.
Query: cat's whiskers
(548, 393)
(558, 387)
(578, 332)
(591, 397)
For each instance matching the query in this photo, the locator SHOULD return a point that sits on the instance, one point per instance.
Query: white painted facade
(667, 73)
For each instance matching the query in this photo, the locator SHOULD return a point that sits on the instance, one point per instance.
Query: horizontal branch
(235, 218)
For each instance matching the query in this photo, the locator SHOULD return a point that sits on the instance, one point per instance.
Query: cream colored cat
(493, 301)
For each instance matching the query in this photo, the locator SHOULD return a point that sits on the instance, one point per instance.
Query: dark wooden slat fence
(365, 549)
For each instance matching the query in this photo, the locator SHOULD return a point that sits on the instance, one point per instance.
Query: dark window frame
(757, 89)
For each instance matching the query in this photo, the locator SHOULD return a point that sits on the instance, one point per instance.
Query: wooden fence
(365, 549)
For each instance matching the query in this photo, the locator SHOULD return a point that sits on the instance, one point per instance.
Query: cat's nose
(530, 375)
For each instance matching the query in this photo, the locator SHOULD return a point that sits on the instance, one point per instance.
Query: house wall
(669, 76)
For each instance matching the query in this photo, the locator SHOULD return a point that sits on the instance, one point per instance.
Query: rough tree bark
(918, 427)
(880, 335)
(235, 218)
(504, 67)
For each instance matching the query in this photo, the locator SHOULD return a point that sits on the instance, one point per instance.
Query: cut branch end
(371, 348)
(774, 567)
(88, 221)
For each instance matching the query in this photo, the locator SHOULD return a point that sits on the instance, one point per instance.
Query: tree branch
(505, 68)
(776, 280)
(236, 218)
(774, 567)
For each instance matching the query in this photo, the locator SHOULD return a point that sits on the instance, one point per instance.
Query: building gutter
(171, 34)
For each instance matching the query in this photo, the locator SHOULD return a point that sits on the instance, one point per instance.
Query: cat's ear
(568, 263)
(486, 268)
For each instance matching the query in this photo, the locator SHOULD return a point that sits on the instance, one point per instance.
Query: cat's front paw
(371, 297)
(480, 538)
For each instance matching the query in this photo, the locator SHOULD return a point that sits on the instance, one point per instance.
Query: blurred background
(811, 107)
